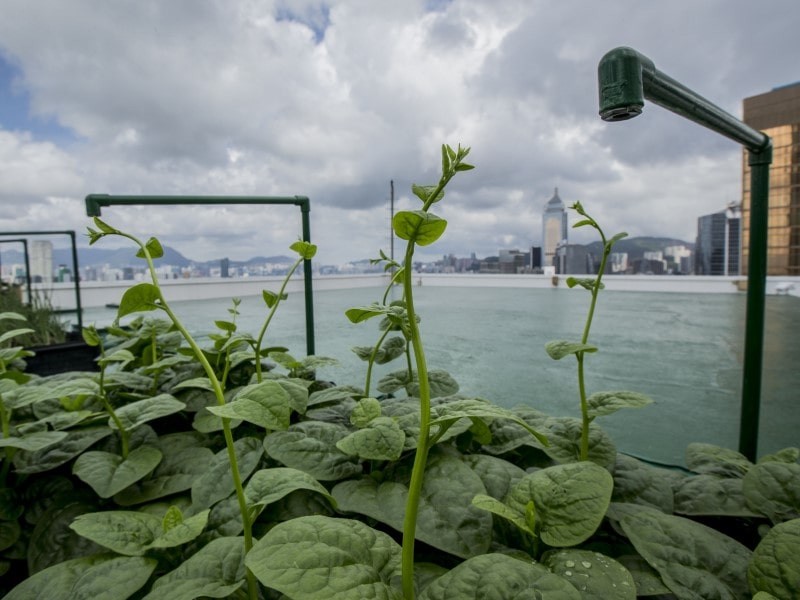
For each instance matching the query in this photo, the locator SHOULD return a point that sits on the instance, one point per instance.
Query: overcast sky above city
(332, 100)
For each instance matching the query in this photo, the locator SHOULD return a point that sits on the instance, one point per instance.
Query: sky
(333, 100)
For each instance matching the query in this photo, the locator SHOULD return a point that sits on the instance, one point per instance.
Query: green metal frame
(76, 276)
(27, 265)
(94, 202)
(625, 79)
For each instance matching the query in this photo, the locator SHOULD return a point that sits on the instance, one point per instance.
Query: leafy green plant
(601, 403)
(45, 326)
(147, 297)
(119, 483)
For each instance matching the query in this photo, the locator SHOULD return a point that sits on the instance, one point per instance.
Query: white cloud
(332, 100)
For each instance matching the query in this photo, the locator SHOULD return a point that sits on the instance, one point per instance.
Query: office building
(554, 228)
(41, 261)
(718, 248)
(777, 113)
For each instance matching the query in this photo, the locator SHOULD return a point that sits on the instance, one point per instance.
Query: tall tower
(554, 228)
(42, 261)
(777, 113)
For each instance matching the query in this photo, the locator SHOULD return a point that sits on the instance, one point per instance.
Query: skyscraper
(554, 228)
(717, 248)
(777, 113)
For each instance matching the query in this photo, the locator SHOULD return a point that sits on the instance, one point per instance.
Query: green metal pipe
(94, 203)
(76, 276)
(625, 79)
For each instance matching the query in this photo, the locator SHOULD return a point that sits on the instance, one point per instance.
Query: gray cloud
(332, 100)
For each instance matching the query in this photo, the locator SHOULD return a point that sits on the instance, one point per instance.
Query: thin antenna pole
(391, 219)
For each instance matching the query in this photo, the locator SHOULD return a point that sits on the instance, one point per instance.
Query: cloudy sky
(332, 100)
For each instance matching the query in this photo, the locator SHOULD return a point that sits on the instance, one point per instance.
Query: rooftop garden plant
(179, 471)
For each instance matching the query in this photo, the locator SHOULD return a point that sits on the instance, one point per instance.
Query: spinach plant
(601, 403)
(148, 297)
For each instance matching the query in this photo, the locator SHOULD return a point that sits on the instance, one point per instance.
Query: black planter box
(75, 355)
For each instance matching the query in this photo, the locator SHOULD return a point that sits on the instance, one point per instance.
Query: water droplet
(568, 573)
(570, 564)
(586, 564)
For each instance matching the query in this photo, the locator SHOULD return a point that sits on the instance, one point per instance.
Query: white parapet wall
(101, 293)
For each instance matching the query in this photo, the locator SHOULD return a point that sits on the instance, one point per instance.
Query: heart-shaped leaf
(108, 474)
(320, 558)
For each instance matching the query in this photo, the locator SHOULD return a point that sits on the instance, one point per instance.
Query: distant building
(572, 259)
(777, 113)
(512, 261)
(554, 228)
(617, 263)
(718, 245)
(224, 268)
(536, 258)
(41, 261)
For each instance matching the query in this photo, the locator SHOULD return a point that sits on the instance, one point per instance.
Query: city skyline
(277, 98)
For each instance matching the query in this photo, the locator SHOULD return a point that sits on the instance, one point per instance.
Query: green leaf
(610, 243)
(217, 482)
(153, 247)
(215, 571)
(497, 475)
(139, 298)
(108, 473)
(306, 250)
(365, 411)
(362, 313)
(446, 519)
(585, 283)
(496, 507)
(103, 226)
(202, 383)
(789, 455)
(570, 501)
(474, 408)
(271, 298)
(265, 404)
(391, 349)
(34, 441)
(712, 495)
(715, 460)
(499, 577)
(380, 439)
(558, 349)
(592, 573)
(12, 316)
(100, 577)
(564, 436)
(639, 483)
(140, 412)
(270, 485)
(423, 192)
(14, 333)
(134, 533)
(228, 326)
(320, 558)
(54, 455)
(775, 566)
(694, 561)
(441, 384)
(419, 227)
(311, 447)
(648, 582)
(184, 461)
(602, 404)
(773, 489)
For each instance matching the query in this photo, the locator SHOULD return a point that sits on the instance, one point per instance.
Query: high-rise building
(777, 113)
(41, 261)
(717, 248)
(554, 228)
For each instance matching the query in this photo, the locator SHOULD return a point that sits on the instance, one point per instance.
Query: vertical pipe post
(305, 208)
(759, 162)
(76, 274)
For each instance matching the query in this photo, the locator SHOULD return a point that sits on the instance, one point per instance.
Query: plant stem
(421, 456)
(270, 315)
(247, 526)
(585, 420)
(371, 361)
